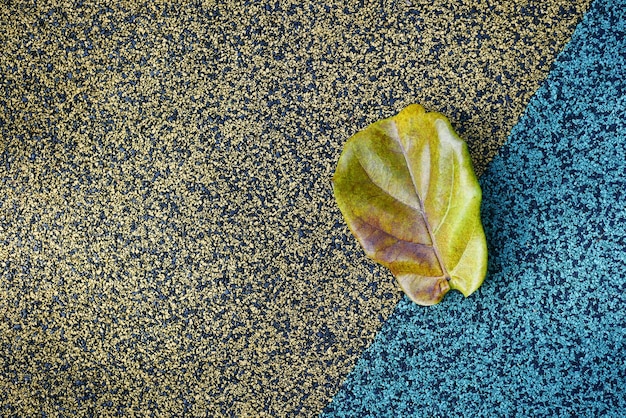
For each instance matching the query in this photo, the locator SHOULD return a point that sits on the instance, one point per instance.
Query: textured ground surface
(168, 236)
(546, 335)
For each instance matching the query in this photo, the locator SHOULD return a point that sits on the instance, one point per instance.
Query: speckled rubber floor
(169, 243)
(546, 334)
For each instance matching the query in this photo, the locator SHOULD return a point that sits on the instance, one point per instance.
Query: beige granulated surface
(169, 241)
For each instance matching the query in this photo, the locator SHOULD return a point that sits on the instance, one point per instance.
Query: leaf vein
(382, 189)
(378, 228)
(443, 219)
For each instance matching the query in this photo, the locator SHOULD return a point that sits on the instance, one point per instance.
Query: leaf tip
(413, 108)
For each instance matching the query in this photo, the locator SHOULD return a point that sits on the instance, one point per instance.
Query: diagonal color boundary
(169, 241)
(545, 335)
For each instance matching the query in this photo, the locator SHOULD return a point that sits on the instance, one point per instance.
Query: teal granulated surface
(545, 335)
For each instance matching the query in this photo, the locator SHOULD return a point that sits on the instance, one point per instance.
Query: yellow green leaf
(407, 190)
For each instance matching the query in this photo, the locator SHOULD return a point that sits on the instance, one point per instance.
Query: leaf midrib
(422, 209)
